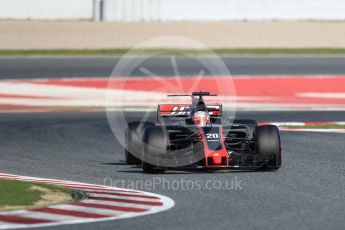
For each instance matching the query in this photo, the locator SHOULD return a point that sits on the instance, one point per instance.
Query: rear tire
(268, 145)
(134, 141)
(155, 146)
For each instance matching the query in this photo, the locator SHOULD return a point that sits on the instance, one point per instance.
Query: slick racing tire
(155, 148)
(268, 145)
(134, 141)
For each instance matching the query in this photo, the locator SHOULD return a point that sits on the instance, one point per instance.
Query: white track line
(123, 192)
(89, 210)
(121, 197)
(305, 123)
(298, 126)
(48, 216)
(118, 204)
(314, 130)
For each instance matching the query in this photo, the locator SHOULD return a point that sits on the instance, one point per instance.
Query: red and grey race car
(195, 136)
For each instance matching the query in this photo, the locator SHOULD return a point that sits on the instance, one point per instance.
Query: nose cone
(217, 159)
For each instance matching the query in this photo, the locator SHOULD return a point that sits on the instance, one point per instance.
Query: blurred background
(94, 24)
(110, 28)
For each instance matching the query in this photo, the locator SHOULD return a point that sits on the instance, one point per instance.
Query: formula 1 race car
(195, 136)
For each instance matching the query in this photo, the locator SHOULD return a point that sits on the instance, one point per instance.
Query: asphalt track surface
(308, 192)
(23, 68)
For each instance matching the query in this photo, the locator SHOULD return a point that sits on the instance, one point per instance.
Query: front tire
(155, 147)
(268, 145)
(134, 141)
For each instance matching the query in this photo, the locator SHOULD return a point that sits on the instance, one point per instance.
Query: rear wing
(183, 110)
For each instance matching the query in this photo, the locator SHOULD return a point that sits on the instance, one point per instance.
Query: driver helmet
(201, 118)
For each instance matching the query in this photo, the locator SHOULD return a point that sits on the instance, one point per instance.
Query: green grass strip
(176, 52)
(19, 193)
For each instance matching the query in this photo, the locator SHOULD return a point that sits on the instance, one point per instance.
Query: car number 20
(212, 136)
